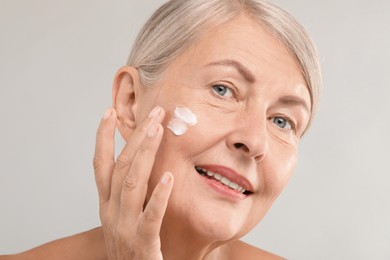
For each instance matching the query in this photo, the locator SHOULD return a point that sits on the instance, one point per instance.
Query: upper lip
(230, 174)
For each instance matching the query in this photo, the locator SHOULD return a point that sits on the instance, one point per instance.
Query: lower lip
(222, 189)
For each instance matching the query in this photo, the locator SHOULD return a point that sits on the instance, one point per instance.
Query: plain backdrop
(57, 63)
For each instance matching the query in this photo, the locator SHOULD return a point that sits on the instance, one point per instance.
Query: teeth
(233, 185)
(217, 176)
(225, 181)
(221, 179)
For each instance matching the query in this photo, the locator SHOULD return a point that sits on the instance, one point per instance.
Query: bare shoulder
(86, 245)
(241, 250)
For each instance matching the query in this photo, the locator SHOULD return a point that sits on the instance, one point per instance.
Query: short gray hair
(179, 24)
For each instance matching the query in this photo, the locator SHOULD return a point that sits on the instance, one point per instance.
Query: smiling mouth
(222, 179)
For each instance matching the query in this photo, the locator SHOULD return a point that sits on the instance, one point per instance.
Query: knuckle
(122, 161)
(129, 183)
(145, 149)
(97, 163)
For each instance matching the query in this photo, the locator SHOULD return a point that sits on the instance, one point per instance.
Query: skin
(252, 124)
(269, 155)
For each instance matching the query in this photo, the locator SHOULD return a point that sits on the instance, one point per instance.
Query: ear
(125, 94)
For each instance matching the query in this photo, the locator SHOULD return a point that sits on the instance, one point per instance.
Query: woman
(213, 102)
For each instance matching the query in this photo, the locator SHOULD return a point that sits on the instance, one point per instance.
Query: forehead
(250, 44)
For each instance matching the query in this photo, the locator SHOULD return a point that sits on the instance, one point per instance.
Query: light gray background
(57, 62)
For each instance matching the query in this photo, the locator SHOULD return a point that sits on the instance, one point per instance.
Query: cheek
(278, 169)
(183, 147)
(199, 137)
(179, 154)
(274, 176)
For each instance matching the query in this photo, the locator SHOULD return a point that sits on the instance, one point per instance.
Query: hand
(130, 230)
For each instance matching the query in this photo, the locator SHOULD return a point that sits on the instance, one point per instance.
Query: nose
(250, 138)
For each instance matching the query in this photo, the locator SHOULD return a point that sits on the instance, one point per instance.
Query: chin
(208, 219)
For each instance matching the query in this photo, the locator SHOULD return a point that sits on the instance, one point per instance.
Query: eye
(283, 123)
(222, 90)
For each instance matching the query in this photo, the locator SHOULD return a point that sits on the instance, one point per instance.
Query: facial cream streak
(182, 118)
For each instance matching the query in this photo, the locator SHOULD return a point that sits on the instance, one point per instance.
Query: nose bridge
(250, 136)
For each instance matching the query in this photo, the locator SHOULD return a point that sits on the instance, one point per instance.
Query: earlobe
(125, 93)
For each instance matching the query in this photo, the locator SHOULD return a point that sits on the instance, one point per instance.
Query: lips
(227, 177)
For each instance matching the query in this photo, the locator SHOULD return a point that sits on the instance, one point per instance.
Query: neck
(181, 243)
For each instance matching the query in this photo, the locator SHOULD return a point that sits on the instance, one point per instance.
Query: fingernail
(108, 113)
(166, 178)
(155, 111)
(153, 130)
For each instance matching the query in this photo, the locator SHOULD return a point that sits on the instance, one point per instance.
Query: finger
(103, 161)
(126, 157)
(152, 217)
(136, 182)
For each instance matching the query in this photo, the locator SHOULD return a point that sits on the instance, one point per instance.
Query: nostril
(259, 158)
(238, 145)
(241, 146)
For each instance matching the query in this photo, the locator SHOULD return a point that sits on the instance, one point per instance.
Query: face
(252, 106)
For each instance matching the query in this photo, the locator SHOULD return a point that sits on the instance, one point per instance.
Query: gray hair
(179, 24)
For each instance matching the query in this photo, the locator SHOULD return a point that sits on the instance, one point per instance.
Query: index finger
(125, 159)
(103, 161)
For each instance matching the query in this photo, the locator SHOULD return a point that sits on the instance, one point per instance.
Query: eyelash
(288, 120)
(233, 92)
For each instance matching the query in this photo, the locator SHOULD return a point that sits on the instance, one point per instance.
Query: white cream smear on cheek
(182, 118)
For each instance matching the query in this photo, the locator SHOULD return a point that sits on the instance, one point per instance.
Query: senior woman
(212, 104)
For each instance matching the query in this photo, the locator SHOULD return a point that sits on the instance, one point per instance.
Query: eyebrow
(244, 72)
(250, 78)
(294, 101)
